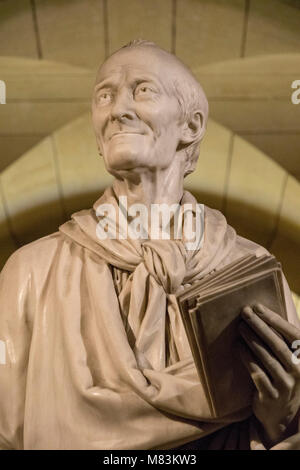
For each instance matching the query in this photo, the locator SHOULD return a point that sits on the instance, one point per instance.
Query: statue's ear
(193, 129)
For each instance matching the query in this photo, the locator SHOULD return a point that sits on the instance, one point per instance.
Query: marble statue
(96, 355)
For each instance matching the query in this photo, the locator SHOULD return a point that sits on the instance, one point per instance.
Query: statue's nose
(123, 107)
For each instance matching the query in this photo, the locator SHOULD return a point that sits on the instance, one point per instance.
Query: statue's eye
(103, 98)
(143, 90)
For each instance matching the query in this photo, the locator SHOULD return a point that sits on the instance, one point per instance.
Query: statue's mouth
(118, 134)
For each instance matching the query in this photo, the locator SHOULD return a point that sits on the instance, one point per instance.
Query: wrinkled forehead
(142, 61)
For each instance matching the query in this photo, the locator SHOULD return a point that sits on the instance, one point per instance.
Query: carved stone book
(211, 311)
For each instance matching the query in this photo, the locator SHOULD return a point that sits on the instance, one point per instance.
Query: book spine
(195, 338)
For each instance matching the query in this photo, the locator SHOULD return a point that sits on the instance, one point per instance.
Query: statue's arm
(15, 335)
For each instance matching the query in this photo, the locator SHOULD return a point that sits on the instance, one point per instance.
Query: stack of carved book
(211, 310)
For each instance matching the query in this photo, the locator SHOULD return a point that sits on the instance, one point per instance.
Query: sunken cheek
(100, 121)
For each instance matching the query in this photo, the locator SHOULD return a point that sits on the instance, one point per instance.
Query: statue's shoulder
(247, 246)
(23, 277)
(39, 256)
(227, 236)
(35, 256)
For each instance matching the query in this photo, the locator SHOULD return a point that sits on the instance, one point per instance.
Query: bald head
(176, 78)
(179, 77)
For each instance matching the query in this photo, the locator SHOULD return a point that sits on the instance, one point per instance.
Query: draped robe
(96, 352)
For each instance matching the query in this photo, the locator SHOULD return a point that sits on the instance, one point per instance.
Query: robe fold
(96, 355)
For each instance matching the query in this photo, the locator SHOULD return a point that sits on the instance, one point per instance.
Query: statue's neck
(155, 187)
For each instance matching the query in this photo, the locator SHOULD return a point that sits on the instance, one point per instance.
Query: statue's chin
(124, 160)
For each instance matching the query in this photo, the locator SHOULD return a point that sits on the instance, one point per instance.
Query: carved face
(135, 112)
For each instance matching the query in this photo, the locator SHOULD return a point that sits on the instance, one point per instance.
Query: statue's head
(148, 110)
